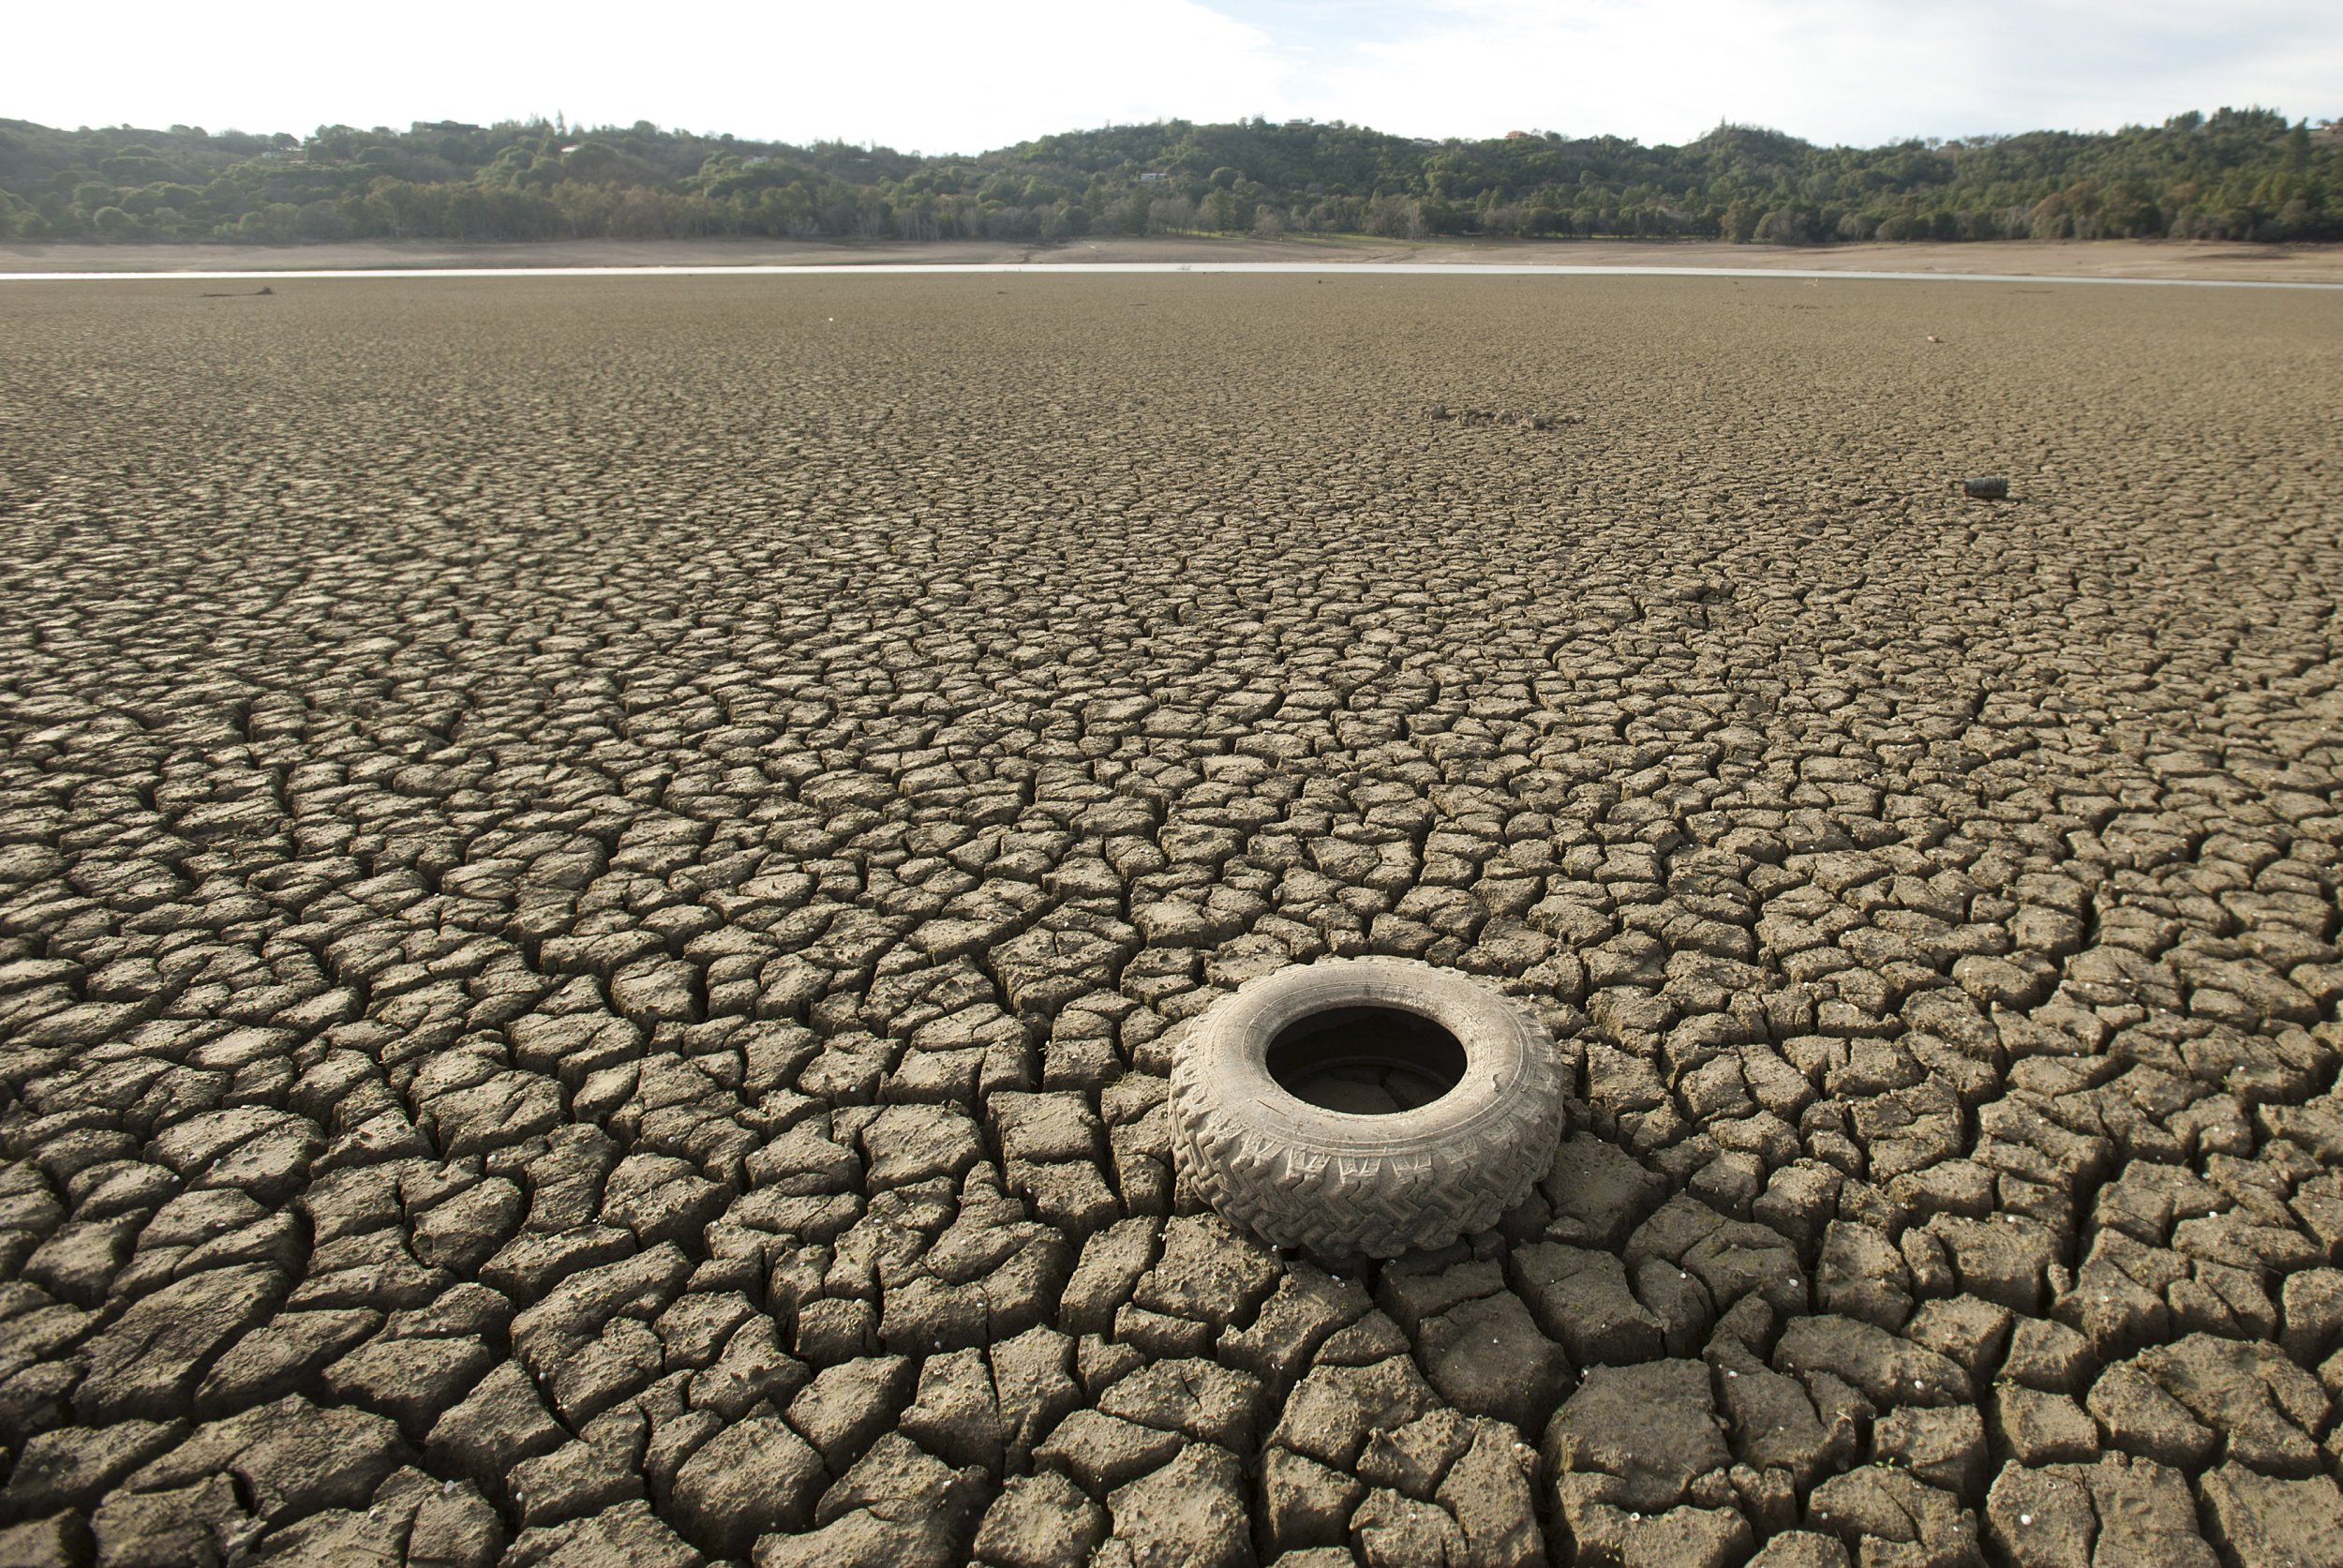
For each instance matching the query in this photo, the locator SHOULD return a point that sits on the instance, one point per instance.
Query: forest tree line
(2236, 175)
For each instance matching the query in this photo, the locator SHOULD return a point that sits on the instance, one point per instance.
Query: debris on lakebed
(1504, 416)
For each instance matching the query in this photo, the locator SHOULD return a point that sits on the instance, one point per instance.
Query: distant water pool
(1355, 269)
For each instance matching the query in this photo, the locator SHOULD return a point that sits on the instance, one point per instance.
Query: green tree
(2247, 173)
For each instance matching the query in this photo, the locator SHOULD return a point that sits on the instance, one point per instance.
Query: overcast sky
(964, 76)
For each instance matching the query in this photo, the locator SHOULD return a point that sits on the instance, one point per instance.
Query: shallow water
(1419, 269)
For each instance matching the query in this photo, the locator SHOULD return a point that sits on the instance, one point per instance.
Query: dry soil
(598, 879)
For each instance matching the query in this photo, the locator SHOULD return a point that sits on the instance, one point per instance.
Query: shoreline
(2108, 260)
(2037, 282)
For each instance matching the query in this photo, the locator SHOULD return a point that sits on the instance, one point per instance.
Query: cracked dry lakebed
(599, 879)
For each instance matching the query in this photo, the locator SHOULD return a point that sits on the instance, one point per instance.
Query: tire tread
(1300, 1197)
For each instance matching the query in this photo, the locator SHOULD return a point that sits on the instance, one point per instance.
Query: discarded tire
(1365, 1106)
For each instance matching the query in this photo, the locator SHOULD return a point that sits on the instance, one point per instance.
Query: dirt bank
(2112, 258)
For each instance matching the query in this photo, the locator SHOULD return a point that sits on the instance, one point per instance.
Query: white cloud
(962, 77)
(1829, 71)
(927, 74)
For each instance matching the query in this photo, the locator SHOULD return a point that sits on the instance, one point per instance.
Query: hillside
(2237, 175)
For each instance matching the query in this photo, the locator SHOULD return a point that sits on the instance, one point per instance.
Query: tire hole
(1366, 1061)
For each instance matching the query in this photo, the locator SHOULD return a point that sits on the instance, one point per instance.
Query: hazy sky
(965, 76)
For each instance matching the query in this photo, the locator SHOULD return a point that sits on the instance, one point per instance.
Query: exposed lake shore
(2176, 260)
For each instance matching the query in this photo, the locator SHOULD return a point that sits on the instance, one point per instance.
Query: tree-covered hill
(2241, 175)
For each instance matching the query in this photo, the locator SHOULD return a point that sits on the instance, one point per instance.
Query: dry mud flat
(597, 880)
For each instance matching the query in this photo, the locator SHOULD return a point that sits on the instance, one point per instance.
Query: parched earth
(598, 881)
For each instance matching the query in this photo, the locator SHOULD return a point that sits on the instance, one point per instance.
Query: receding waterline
(1350, 269)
